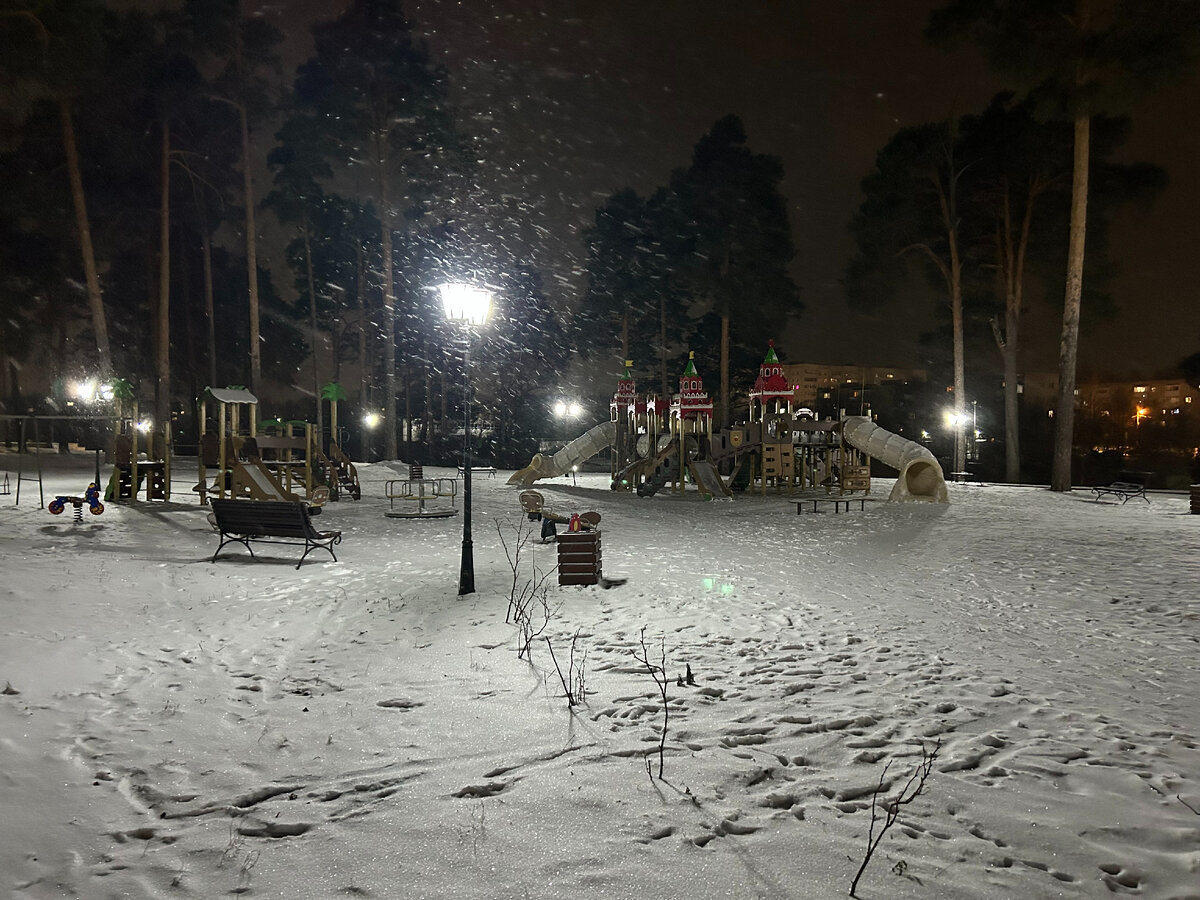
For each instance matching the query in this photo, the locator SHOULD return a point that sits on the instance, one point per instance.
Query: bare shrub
(574, 679)
(532, 615)
(890, 807)
(658, 671)
(524, 587)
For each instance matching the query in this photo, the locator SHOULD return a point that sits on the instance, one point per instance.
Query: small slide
(920, 476)
(254, 479)
(566, 459)
(705, 474)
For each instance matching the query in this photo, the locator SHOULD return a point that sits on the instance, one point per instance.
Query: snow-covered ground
(172, 727)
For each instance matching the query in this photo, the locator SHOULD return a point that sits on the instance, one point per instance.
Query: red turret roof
(770, 384)
(692, 400)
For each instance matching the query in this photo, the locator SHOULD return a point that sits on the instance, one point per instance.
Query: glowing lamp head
(371, 420)
(560, 408)
(466, 303)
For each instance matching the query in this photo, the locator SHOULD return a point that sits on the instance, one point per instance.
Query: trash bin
(579, 557)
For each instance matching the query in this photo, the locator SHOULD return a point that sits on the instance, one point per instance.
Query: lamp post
(975, 429)
(468, 306)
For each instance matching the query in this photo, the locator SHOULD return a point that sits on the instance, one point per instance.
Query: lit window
(1140, 389)
(1187, 399)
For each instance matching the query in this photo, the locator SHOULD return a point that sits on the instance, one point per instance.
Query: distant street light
(956, 422)
(468, 306)
(568, 409)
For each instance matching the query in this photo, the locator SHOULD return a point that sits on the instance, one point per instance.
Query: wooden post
(222, 456)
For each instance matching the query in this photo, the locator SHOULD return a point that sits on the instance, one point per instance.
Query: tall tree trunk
(1011, 263)
(251, 252)
(187, 303)
(723, 399)
(1007, 338)
(389, 340)
(248, 199)
(389, 302)
(338, 328)
(408, 411)
(84, 233)
(625, 335)
(1012, 326)
(427, 369)
(662, 344)
(162, 391)
(209, 305)
(723, 404)
(960, 375)
(1064, 413)
(312, 322)
(952, 271)
(364, 365)
(956, 321)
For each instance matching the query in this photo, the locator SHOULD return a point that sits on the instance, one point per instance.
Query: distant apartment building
(814, 382)
(1159, 399)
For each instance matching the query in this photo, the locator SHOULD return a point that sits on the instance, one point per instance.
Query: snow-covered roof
(230, 395)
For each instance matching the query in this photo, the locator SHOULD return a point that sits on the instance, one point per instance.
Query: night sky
(579, 98)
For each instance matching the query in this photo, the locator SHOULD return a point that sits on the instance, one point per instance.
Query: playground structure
(141, 461)
(337, 471)
(779, 448)
(283, 462)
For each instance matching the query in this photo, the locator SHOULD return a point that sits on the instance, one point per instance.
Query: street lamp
(956, 422)
(468, 306)
(973, 449)
(568, 409)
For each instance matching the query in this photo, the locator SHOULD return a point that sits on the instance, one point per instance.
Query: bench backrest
(271, 518)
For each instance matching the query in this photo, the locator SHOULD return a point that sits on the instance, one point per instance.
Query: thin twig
(891, 809)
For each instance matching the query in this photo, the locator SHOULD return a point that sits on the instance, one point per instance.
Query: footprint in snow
(399, 703)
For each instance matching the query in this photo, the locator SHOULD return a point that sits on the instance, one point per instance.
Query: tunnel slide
(920, 477)
(561, 463)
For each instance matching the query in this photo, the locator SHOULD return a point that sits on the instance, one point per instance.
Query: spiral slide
(574, 453)
(920, 476)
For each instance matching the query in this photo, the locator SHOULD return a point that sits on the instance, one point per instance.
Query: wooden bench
(268, 521)
(839, 503)
(489, 471)
(1127, 486)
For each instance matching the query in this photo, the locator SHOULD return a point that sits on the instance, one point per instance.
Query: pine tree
(1093, 56)
(911, 211)
(382, 99)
